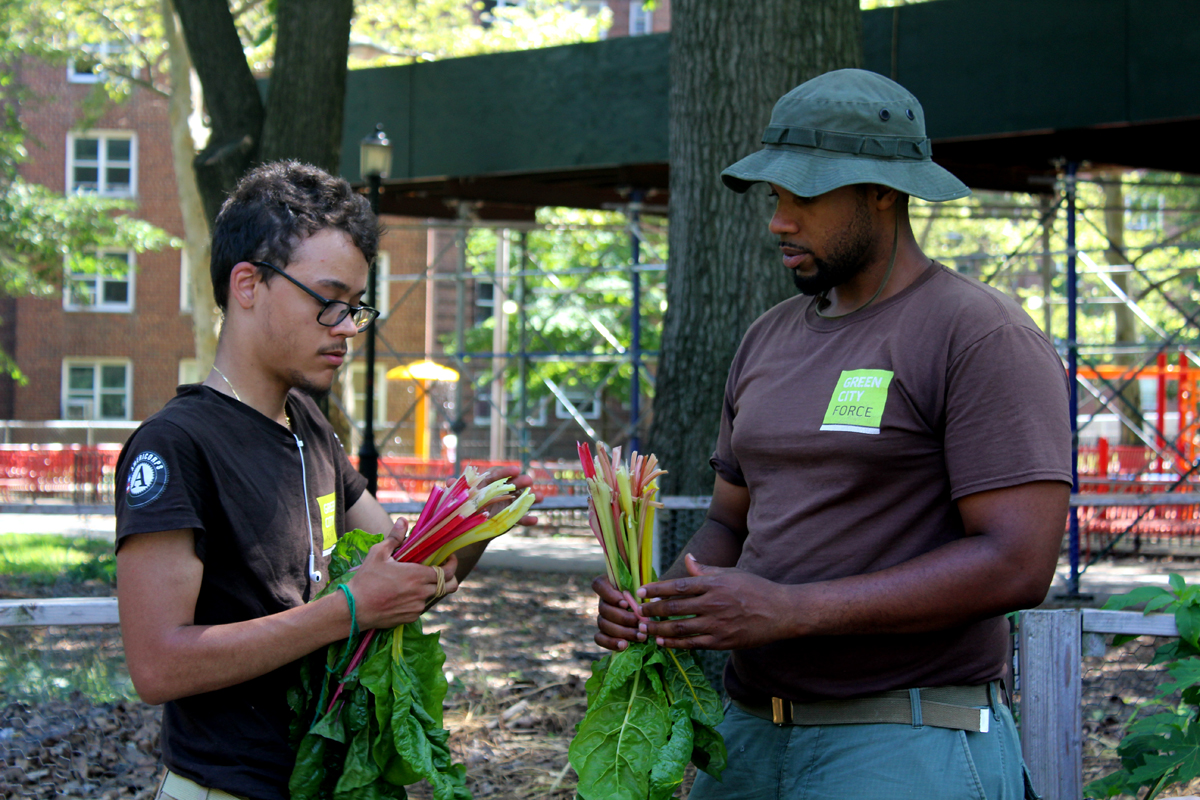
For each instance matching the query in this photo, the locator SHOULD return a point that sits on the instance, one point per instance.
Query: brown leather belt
(963, 708)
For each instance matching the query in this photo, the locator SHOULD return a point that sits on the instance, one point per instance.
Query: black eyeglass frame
(326, 303)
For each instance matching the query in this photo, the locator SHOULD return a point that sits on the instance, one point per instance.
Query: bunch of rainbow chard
(369, 710)
(650, 709)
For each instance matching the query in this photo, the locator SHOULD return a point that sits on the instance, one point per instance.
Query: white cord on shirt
(313, 574)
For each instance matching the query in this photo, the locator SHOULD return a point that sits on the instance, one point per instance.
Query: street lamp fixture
(375, 162)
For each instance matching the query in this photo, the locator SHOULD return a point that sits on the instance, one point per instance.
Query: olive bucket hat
(844, 127)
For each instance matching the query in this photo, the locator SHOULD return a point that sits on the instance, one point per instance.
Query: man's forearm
(956, 584)
(192, 659)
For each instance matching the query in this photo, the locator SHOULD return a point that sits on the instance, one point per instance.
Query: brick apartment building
(109, 350)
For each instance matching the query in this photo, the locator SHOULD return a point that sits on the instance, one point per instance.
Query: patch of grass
(45, 558)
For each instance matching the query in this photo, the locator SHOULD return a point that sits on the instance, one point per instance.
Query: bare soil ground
(519, 649)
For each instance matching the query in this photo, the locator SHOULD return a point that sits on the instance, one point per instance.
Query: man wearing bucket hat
(893, 470)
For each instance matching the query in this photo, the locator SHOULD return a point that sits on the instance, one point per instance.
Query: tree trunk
(191, 205)
(730, 62)
(231, 95)
(303, 114)
(308, 83)
(1125, 323)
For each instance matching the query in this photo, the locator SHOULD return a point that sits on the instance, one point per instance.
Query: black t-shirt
(235, 478)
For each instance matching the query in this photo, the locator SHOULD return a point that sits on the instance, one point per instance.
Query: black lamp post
(375, 162)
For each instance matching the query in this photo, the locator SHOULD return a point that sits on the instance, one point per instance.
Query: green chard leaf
(1188, 629)
(626, 724)
(385, 731)
(359, 769)
(671, 761)
(309, 772)
(686, 682)
(708, 750)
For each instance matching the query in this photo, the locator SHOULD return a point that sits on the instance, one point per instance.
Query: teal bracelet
(353, 614)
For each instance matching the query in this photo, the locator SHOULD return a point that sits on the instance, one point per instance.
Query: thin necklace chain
(228, 383)
(886, 277)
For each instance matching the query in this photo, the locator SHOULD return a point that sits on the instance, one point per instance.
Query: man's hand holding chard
(387, 592)
(620, 619)
(725, 608)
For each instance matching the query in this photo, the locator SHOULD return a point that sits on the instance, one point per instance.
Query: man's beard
(849, 255)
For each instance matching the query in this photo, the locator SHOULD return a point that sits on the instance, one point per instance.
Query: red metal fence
(83, 474)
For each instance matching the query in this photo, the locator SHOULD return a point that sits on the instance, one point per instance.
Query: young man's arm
(1005, 562)
(169, 656)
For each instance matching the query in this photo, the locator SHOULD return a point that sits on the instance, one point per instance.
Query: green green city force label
(857, 403)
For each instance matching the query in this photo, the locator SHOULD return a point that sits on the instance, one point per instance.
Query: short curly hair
(274, 208)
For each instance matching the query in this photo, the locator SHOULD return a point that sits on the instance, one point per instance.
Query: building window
(641, 19)
(485, 301)
(588, 406)
(358, 400)
(98, 389)
(108, 288)
(85, 65)
(103, 163)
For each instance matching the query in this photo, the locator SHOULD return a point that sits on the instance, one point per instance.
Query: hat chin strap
(823, 298)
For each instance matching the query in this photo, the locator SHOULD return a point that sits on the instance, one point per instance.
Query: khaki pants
(177, 787)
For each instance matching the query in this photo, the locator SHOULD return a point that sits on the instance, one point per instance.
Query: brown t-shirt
(855, 436)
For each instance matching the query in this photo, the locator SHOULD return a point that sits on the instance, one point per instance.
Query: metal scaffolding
(598, 303)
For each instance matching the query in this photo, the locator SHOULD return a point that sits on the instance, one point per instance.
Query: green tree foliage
(386, 33)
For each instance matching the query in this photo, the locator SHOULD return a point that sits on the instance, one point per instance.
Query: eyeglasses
(332, 311)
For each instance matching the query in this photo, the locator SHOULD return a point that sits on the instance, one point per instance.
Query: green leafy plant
(369, 711)
(1162, 749)
(388, 732)
(650, 709)
(650, 712)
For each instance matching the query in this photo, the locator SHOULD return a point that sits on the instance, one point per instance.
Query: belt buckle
(781, 711)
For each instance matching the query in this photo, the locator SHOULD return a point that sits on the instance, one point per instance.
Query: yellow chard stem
(603, 500)
(489, 529)
(628, 524)
(647, 532)
(625, 496)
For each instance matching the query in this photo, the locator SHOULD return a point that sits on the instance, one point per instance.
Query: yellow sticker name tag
(328, 505)
(856, 405)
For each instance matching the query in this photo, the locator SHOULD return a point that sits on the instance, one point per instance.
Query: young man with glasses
(231, 496)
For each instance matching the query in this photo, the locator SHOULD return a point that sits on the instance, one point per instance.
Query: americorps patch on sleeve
(148, 477)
